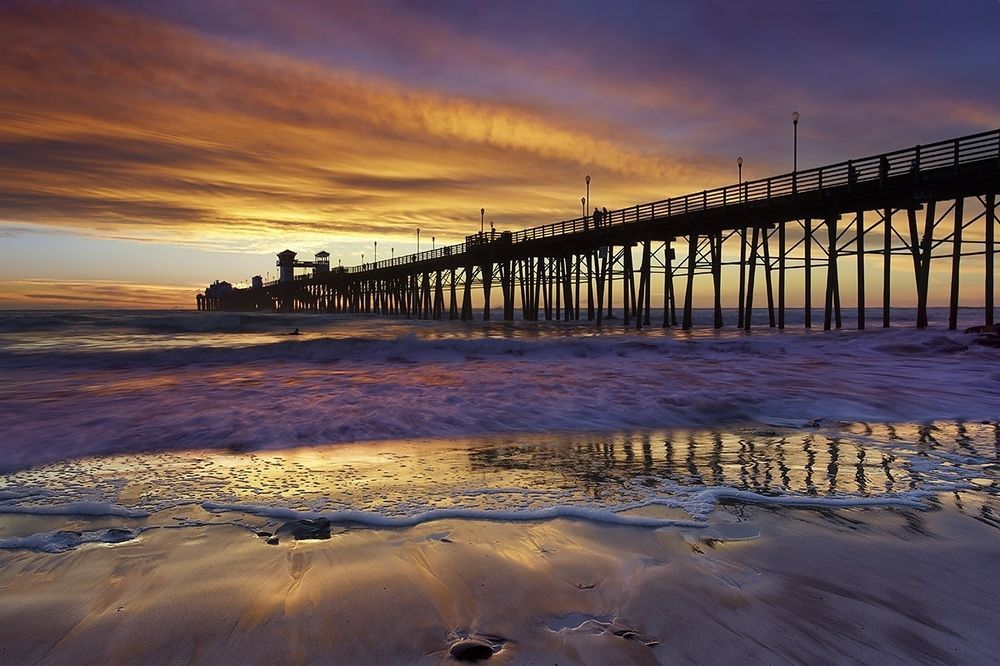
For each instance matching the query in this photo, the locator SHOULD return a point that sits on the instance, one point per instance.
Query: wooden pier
(929, 202)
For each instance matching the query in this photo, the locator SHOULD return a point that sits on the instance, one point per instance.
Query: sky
(148, 148)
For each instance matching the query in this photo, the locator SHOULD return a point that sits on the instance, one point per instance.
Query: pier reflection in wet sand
(862, 459)
(511, 475)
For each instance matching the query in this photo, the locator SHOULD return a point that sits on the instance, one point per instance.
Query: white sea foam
(60, 541)
(81, 508)
(650, 479)
(699, 506)
(370, 519)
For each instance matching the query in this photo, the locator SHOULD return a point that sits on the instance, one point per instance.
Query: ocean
(155, 430)
(82, 384)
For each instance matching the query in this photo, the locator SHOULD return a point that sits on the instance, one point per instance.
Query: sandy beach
(872, 585)
(199, 581)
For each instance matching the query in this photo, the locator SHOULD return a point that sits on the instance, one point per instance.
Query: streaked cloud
(168, 136)
(56, 294)
(254, 126)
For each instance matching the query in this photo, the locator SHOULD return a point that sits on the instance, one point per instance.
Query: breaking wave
(96, 384)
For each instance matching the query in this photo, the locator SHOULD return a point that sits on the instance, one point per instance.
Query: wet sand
(698, 546)
(874, 585)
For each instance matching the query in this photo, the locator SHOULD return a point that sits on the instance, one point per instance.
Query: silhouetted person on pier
(883, 168)
(604, 216)
(852, 174)
(597, 218)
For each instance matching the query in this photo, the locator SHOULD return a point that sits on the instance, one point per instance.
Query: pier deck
(935, 201)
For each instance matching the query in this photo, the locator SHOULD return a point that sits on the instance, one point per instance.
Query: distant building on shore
(217, 289)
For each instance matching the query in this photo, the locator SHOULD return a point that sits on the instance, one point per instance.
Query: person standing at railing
(597, 218)
(883, 169)
(604, 217)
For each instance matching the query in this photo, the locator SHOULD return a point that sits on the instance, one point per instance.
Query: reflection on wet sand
(608, 472)
(760, 461)
(859, 459)
(746, 581)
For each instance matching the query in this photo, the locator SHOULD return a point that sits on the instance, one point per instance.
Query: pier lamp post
(418, 240)
(392, 253)
(795, 149)
(376, 252)
(586, 205)
(739, 165)
(482, 220)
(583, 206)
(432, 243)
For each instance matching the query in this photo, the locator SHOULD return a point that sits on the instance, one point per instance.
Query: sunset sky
(148, 148)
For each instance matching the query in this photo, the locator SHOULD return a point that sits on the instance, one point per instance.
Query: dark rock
(992, 329)
(632, 635)
(118, 535)
(272, 541)
(306, 529)
(263, 535)
(987, 341)
(471, 649)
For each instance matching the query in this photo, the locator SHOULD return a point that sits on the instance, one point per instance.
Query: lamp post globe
(795, 141)
(795, 151)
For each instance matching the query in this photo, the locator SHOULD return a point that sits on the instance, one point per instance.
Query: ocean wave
(150, 321)
(376, 380)
(412, 347)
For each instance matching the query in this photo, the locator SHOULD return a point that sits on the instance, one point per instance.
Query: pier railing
(915, 162)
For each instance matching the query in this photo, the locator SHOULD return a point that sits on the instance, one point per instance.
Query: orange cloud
(40, 294)
(125, 127)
